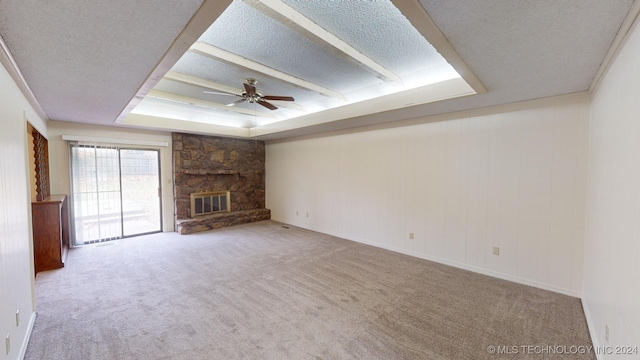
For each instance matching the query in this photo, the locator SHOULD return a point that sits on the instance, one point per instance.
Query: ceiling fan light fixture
(253, 95)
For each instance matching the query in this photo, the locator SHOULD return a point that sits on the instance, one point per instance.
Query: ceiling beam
(288, 15)
(207, 104)
(207, 84)
(217, 53)
(364, 112)
(172, 125)
(288, 105)
(422, 22)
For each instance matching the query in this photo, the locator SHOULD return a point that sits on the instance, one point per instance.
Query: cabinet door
(47, 236)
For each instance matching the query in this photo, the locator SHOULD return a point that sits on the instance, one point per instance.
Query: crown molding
(629, 23)
(10, 64)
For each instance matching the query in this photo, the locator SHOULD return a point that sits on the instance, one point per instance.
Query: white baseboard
(25, 341)
(479, 270)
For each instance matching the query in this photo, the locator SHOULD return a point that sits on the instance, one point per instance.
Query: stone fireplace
(215, 165)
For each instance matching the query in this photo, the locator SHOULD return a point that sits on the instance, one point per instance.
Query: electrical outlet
(7, 343)
(496, 250)
(410, 236)
(606, 333)
(17, 317)
(297, 213)
(307, 214)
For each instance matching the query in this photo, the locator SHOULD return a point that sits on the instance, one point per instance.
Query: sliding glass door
(115, 192)
(140, 186)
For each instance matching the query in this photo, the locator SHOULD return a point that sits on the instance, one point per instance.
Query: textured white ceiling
(243, 30)
(533, 48)
(377, 29)
(86, 60)
(520, 50)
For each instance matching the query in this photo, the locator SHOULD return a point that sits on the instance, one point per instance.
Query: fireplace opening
(210, 202)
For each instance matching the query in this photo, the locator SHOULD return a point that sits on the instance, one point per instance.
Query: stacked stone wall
(207, 163)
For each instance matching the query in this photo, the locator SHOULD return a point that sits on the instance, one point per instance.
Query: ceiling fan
(253, 95)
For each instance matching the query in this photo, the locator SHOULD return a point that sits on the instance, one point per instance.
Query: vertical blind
(96, 192)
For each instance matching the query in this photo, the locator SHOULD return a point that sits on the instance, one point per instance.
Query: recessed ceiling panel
(377, 29)
(245, 31)
(324, 54)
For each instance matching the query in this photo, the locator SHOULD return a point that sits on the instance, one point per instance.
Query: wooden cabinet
(50, 232)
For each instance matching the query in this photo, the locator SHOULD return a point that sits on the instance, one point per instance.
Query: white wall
(16, 250)
(510, 176)
(612, 247)
(59, 157)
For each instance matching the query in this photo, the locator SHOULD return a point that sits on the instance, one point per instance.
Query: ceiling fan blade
(237, 102)
(267, 105)
(250, 89)
(280, 98)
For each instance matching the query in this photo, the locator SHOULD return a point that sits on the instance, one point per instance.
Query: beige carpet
(262, 291)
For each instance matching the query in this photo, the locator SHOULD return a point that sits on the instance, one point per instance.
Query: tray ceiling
(146, 63)
(316, 52)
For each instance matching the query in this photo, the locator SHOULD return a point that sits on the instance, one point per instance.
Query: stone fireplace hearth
(215, 164)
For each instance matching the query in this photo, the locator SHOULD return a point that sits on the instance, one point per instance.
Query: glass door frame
(72, 227)
(159, 190)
